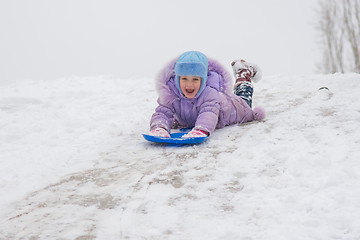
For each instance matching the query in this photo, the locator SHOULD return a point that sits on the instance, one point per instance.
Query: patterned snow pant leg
(245, 91)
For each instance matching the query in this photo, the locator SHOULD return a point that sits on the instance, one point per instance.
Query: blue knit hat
(192, 63)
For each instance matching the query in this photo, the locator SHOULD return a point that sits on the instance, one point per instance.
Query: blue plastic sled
(175, 138)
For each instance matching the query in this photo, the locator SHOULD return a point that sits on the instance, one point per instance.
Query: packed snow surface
(74, 164)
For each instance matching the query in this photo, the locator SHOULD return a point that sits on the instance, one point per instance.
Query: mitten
(159, 132)
(195, 133)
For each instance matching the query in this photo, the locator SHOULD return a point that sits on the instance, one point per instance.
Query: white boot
(245, 71)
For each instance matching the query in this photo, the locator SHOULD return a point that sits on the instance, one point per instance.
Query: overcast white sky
(43, 39)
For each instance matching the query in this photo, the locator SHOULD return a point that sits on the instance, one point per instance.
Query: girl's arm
(162, 118)
(209, 111)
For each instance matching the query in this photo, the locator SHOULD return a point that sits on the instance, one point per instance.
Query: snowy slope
(75, 166)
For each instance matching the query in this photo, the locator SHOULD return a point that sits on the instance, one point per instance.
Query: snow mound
(75, 166)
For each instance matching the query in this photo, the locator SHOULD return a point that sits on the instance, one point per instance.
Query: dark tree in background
(339, 27)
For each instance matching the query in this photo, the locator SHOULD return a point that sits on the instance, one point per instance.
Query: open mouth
(190, 90)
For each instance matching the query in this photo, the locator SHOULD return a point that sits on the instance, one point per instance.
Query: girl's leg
(244, 74)
(245, 91)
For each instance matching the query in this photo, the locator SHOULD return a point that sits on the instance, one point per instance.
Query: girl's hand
(159, 132)
(196, 133)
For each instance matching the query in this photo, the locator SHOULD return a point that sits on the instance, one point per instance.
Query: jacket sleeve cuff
(204, 129)
(159, 125)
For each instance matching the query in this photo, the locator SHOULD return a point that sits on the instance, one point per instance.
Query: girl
(196, 92)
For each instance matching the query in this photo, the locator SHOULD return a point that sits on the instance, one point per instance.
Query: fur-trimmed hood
(168, 73)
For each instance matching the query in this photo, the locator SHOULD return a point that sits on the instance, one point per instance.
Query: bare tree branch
(339, 26)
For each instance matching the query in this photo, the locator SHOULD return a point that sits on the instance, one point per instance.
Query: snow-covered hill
(75, 166)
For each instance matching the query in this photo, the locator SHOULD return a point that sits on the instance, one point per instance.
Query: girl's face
(190, 85)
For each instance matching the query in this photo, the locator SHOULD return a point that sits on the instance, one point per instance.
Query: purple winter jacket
(215, 107)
